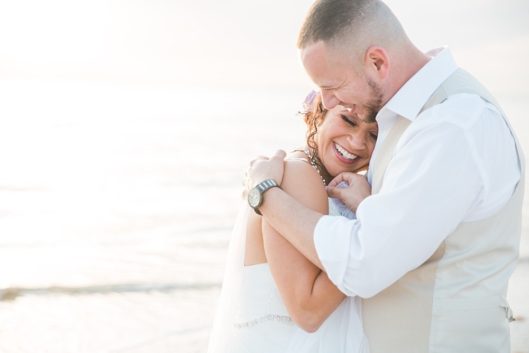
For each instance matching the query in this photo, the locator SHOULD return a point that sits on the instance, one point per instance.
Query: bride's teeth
(344, 152)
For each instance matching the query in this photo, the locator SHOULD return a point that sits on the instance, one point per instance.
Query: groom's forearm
(293, 221)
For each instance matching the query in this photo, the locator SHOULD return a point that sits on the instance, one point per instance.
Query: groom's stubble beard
(375, 102)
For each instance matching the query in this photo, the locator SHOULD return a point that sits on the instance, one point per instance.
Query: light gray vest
(455, 301)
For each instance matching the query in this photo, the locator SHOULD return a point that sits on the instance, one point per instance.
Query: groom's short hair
(358, 22)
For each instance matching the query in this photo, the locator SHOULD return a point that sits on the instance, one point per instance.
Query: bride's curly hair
(313, 114)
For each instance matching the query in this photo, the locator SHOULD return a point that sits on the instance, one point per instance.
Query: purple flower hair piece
(307, 104)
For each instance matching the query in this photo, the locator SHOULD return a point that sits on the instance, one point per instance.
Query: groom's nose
(328, 99)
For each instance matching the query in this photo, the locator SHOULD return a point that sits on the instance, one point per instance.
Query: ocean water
(116, 205)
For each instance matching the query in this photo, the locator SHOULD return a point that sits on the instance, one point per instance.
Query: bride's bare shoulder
(303, 182)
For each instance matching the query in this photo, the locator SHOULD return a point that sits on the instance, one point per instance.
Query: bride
(273, 299)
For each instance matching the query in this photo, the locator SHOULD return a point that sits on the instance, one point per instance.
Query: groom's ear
(377, 62)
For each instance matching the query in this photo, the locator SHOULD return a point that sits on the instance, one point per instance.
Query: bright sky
(235, 42)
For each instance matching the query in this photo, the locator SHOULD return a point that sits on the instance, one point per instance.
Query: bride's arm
(307, 292)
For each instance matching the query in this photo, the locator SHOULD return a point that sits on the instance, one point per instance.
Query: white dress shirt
(456, 162)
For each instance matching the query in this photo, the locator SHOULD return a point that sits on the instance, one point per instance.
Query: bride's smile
(344, 141)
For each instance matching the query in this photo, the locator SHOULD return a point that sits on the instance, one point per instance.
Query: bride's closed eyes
(348, 120)
(352, 121)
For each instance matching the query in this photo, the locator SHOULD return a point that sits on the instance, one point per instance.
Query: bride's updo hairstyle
(313, 114)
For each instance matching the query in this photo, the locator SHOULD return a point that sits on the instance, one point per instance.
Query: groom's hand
(263, 168)
(350, 188)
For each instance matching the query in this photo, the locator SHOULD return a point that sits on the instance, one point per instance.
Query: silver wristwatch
(255, 195)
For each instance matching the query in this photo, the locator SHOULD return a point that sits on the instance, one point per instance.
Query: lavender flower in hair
(307, 104)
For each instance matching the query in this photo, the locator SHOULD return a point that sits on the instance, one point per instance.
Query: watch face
(254, 197)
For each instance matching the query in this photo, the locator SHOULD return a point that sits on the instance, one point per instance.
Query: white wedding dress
(251, 317)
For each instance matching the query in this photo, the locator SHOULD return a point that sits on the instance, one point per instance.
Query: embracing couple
(396, 228)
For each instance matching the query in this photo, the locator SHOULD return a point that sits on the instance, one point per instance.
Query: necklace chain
(315, 163)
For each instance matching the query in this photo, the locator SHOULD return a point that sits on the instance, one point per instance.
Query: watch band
(261, 188)
(266, 185)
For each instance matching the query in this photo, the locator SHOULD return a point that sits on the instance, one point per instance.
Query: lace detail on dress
(271, 317)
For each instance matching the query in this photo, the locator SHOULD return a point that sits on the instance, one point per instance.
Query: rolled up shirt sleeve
(333, 238)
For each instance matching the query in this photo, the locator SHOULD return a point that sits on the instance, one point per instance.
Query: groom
(432, 248)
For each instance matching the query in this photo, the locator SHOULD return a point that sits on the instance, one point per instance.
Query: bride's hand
(263, 168)
(355, 191)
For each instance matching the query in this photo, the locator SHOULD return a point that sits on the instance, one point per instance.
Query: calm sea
(116, 203)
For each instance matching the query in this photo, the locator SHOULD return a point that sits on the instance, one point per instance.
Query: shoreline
(154, 321)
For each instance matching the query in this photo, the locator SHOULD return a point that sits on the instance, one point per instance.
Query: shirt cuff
(332, 240)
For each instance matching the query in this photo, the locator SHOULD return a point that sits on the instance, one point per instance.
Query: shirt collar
(411, 97)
